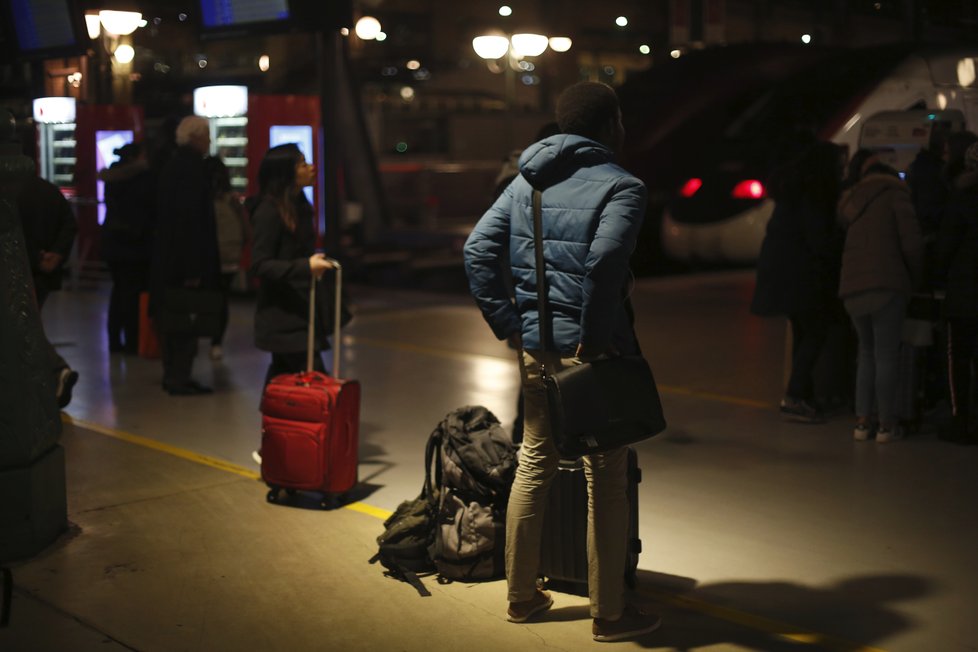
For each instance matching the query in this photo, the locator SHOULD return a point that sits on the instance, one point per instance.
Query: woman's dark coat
(280, 261)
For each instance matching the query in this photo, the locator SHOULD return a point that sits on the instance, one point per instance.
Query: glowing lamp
(529, 45)
(491, 46)
(119, 23)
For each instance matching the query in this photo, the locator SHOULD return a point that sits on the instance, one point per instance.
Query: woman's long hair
(276, 181)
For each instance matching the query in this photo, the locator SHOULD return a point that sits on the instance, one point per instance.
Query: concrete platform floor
(758, 534)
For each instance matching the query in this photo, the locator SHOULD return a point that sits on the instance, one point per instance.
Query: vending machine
(280, 119)
(55, 119)
(75, 142)
(227, 109)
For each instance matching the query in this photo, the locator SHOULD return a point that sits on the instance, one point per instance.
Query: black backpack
(456, 526)
(474, 469)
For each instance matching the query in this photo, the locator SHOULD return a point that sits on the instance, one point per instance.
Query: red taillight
(690, 187)
(749, 189)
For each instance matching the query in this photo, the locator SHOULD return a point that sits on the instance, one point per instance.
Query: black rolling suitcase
(563, 554)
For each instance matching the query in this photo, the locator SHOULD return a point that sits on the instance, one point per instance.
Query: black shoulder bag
(597, 405)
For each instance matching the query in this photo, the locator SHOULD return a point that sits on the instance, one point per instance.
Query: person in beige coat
(882, 263)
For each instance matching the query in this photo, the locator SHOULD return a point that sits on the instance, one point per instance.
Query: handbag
(191, 311)
(923, 313)
(601, 404)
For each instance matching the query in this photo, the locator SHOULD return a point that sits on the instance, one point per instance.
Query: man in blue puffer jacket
(592, 212)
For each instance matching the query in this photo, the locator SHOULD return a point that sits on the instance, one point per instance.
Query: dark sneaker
(631, 623)
(66, 381)
(885, 435)
(794, 409)
(520, 612)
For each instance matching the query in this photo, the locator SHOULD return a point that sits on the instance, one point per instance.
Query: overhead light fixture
(93, 26)
(560, 43)
(492, 46)
(529, 45)
(119, 23)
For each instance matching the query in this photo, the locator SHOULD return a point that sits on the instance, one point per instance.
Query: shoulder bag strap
(541, 266)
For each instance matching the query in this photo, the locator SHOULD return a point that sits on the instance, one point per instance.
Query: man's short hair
(585, 108)
(191, 126)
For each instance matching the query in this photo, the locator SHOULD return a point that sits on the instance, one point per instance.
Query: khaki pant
(607, 479)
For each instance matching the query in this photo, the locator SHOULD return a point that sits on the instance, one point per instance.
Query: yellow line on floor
(198, 458)
(759, 623)
(710, 396)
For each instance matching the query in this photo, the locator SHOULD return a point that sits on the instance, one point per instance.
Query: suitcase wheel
(273, 495)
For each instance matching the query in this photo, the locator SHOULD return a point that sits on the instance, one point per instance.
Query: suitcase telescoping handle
(311, 338)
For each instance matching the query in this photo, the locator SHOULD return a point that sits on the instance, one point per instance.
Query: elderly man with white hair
(186, 254)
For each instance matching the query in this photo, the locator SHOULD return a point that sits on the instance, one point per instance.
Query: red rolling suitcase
(311, 424)
(563, 550)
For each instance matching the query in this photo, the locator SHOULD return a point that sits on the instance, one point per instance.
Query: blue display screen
(42, 24)
(227, 13)
(301, 135)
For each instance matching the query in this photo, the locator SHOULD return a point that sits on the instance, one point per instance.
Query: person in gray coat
(592, 212)
(882, 262)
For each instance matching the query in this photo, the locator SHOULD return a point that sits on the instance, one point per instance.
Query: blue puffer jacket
(592, 213)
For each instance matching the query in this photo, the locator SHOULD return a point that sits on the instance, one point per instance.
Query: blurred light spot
(505, 11)
(806, 38)
(527, 66)
(182, 17)
(644, 49)
(401, 147)
(422, 74)
(621, 21)
(675, 54)
(407, 93)
(381, 36)
(413, 64)
(263, 63)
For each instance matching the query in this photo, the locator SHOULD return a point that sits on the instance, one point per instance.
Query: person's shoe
(217, 353)
(794, 409)
(190, 388)
(861, 432)
(885, 435)
(631, 623)
(520, 612)
(201, 389)
(67, 378)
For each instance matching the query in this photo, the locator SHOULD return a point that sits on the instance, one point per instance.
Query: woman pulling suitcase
(310, 420)
(285, 262)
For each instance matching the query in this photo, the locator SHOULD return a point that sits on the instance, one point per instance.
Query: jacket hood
(855, 200)
(553, 159)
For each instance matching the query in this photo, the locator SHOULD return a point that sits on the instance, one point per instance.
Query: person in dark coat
(798, 267)
(928, 188)
(127, 241)
(957, 256)
(285, 261)
(185, 254)
(49, 233)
